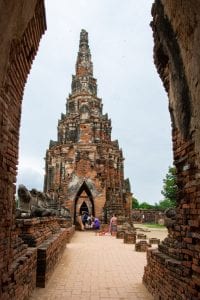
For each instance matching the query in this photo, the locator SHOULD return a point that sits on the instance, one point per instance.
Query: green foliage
(145, 205)
(169, 192)
(153, 225)
(169, 189)
(166, 203)
(135, 203)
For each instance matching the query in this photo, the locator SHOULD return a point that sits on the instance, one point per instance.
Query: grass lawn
(153, 225)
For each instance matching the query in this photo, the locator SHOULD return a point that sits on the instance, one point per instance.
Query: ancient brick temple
(173, 270)
(84, 166)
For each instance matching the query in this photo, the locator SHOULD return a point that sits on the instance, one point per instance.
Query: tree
(145, 205)
(135, 203)
(164, 204)
(169, 188)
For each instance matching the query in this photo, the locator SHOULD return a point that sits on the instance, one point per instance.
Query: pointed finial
(84, 63)
(83, 38)
(83, 80)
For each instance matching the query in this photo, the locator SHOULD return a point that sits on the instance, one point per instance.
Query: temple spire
(84, 65)
(83, 81)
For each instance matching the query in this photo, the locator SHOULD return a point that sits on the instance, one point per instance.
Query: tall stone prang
(84, 167)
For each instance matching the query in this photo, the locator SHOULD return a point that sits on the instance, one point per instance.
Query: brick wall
(147, 215)
(21, 27)
(173, 271)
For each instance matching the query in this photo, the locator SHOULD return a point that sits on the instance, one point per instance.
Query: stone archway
(21, 27)
(20, 32)
(84, 201)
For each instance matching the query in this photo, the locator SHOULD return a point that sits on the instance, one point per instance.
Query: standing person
(113, 225)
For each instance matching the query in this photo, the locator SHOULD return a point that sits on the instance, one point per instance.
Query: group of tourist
(89, 221)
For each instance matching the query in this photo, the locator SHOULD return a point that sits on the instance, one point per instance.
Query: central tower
(84, 168)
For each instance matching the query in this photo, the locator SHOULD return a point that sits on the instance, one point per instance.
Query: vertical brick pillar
(22, 24)
(173, 270)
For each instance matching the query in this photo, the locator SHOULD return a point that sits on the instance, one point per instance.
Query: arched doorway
(84, 201)
(84, 208)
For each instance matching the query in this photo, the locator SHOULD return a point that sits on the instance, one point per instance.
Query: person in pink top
(113, 225)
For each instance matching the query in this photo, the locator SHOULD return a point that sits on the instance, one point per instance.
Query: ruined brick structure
(22, 24)
(84, 165)
(173, 271)
(148, 216)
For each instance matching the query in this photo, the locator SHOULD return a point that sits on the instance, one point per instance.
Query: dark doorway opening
(83, 202)
(84, 208)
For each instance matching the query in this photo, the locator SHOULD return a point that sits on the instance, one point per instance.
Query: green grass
(152, 225)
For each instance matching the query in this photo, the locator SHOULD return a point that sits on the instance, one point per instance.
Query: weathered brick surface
(46, 234)
(154, 241)
(48, 255)
(129, 237)
(21, 27)
(84, 164)
(120, 234)
(172, 271)
(142, 246)
(20, 280)
(36, 230)
(70, 232)
(141, 236)
(64, 223)
(147, 216)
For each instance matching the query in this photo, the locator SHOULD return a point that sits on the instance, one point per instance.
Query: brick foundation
(120, 234)
(141, 236)
(142, 246)
(176, 262)
(45, 234)
(129, 237)
(154, 241)
(48, 255)
(20, 280)
(36, 230)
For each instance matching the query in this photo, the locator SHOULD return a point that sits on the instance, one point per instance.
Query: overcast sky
(121, 45)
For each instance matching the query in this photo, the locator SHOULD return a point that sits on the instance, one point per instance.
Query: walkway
(97, 268)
